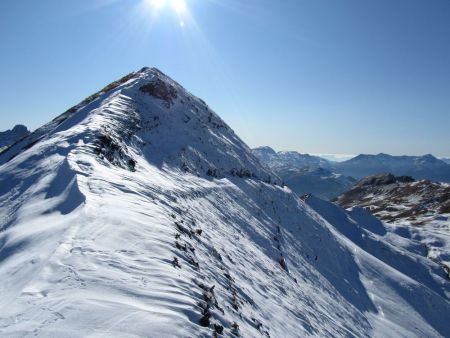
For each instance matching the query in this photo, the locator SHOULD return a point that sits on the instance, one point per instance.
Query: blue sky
(347, 76)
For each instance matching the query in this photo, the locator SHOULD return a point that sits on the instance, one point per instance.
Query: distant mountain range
(283, 159)
(10, 136)
(418, 167)
(305, 173)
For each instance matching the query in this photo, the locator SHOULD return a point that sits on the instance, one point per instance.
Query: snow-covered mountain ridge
(140, 213)
(419, 167)
(291, 159)
(422, 206)
(305, 174)
(402, 198)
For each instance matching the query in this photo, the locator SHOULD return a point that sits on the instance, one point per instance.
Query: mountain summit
(139, 212)
(142, 112)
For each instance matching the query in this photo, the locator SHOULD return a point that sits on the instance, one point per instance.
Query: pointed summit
(149, 114)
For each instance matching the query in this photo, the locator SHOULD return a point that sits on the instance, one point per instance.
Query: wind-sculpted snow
(140, 213)
(366, 232)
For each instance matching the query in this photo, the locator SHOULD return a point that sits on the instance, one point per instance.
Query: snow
(292, 159)
(418, 167)
(92, 244)
(305, 174)
(415, 210)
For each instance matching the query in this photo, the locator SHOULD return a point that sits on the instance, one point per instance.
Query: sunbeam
(179, 6)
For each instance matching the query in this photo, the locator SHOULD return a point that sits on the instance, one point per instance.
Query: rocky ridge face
(399, 198)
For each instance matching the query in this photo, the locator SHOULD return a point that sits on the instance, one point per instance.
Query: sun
(163, 9)
(158, 3)
(178, 6)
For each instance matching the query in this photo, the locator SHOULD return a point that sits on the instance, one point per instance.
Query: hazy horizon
(344, 157)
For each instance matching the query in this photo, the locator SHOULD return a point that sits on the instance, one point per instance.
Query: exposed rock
(395, 198)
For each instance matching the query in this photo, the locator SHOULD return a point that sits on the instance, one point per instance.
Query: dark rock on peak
(160, 90)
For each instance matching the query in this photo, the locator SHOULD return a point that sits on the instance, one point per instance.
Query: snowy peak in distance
(265, 150)
(11, 136)
(419, 167)
(265, 154)
(305, 174)
(381, 158)
(274, 159)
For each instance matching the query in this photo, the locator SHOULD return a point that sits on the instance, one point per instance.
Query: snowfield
(418, 210)
(140, 213)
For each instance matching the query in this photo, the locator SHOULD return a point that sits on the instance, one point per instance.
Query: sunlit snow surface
(88, 245)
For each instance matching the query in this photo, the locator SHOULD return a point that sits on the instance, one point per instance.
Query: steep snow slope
(385, 244)
(140, 213)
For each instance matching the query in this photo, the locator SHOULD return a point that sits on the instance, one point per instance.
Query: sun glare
(179, 10)
(158, 3)
(178, 6)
